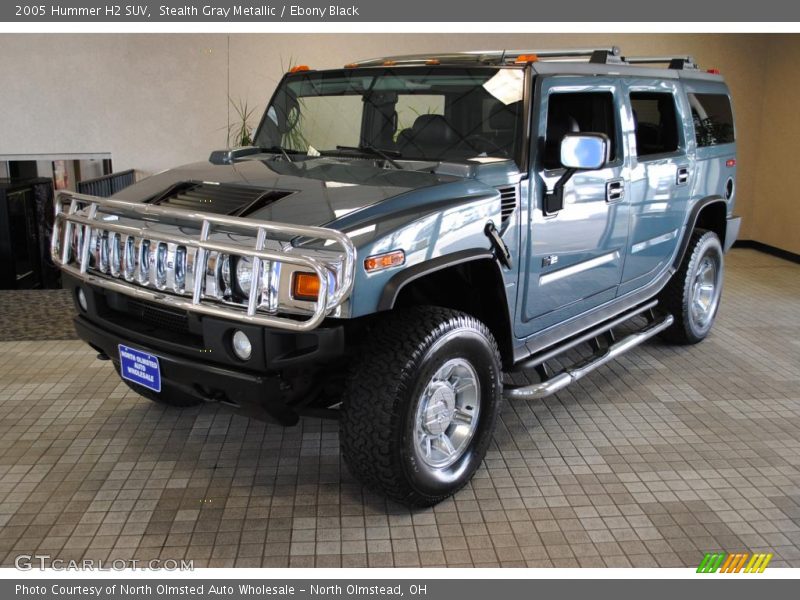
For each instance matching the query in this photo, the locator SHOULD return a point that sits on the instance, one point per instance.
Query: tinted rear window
(713, 119)
(656, 123)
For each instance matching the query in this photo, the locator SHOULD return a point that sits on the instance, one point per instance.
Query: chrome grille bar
(182, 270)
(255, 282)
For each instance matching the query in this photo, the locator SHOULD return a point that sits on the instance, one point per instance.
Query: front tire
(692, 295)
(421, 404)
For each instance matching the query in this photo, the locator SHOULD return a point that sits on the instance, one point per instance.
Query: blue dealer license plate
(139, 367)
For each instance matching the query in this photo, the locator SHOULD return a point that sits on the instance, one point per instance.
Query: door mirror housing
(584, 151)
(579, 152)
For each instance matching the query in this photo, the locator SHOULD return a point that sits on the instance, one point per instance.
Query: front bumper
(280, 379)
(256, 396)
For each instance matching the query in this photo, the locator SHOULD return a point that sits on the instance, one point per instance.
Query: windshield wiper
(370, 149)
(283, 151)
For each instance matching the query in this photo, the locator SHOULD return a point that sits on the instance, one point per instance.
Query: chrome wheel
(447, 414)
(705, 292)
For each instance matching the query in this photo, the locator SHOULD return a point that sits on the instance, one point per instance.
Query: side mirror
(579, 152)
(584, 151)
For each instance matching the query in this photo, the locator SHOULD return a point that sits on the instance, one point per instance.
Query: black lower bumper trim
(251, 395)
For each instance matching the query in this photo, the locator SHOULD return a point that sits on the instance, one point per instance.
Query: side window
(656, 123)
(587, 112)
(713, 119)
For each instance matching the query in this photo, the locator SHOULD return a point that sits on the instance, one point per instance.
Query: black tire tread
(366, 427)
(674, 297)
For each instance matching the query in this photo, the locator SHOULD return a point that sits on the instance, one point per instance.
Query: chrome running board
(560, 381)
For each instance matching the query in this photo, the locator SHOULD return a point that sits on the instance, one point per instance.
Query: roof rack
(608, 55)
(493, 57)
(672, 62)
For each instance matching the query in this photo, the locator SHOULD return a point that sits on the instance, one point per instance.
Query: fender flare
(690, 224)
(393, 287)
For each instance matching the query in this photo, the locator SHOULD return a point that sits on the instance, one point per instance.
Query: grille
(508, 203)
(189, 259)
(158, 316)
(235, 200)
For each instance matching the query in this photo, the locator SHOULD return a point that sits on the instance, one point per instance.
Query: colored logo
(722, 562)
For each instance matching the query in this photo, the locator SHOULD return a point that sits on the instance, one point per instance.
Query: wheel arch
(469, 281)
(709, 213)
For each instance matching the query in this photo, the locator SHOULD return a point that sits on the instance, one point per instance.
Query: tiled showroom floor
(651, 461)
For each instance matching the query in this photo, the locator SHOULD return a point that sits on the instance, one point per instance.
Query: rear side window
(656, 123)
(713, 119)
(578, 112)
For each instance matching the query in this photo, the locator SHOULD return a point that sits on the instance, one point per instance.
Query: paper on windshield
(506, 85)
(487, 159)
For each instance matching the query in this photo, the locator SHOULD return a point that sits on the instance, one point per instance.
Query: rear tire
(426, 374)
(692, 295)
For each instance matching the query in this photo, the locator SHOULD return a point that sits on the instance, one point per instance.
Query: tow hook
(501, 251)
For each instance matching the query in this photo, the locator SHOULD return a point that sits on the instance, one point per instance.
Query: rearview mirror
(584, 151)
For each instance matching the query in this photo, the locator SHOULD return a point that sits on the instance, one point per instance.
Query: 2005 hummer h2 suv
(407, 232)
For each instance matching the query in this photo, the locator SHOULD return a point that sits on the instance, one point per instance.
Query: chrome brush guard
(179, 258)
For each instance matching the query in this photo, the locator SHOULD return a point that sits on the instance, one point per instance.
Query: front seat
(429, 137)
(503, 122)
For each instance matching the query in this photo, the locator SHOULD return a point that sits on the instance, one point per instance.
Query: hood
(313, 192)
(325, 191)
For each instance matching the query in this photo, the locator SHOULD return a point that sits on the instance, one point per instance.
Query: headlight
(225, 274)
(236, 273)
(244, 275)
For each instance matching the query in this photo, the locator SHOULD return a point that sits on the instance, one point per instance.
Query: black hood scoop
(217, 198)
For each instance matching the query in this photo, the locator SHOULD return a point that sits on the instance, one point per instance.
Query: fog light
(241, 345)
(82, 300)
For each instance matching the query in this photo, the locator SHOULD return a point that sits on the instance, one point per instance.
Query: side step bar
(539, 358)
(580, 370)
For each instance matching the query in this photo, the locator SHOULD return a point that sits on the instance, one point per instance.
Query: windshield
(431, 113)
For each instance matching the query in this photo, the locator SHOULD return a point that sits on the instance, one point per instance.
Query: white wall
(156, 101)
(150, 101)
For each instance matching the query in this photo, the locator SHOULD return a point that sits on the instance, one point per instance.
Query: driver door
(575, 255)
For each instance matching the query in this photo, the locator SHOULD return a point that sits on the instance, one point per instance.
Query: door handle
(682, 178)
(615, 190)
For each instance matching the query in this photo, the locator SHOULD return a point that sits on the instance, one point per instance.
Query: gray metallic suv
(408, 233)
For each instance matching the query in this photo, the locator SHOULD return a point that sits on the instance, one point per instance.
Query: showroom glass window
(713, 119)
(431, 113)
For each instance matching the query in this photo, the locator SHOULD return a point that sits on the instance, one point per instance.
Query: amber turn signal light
(305, 286)
(384, 261)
